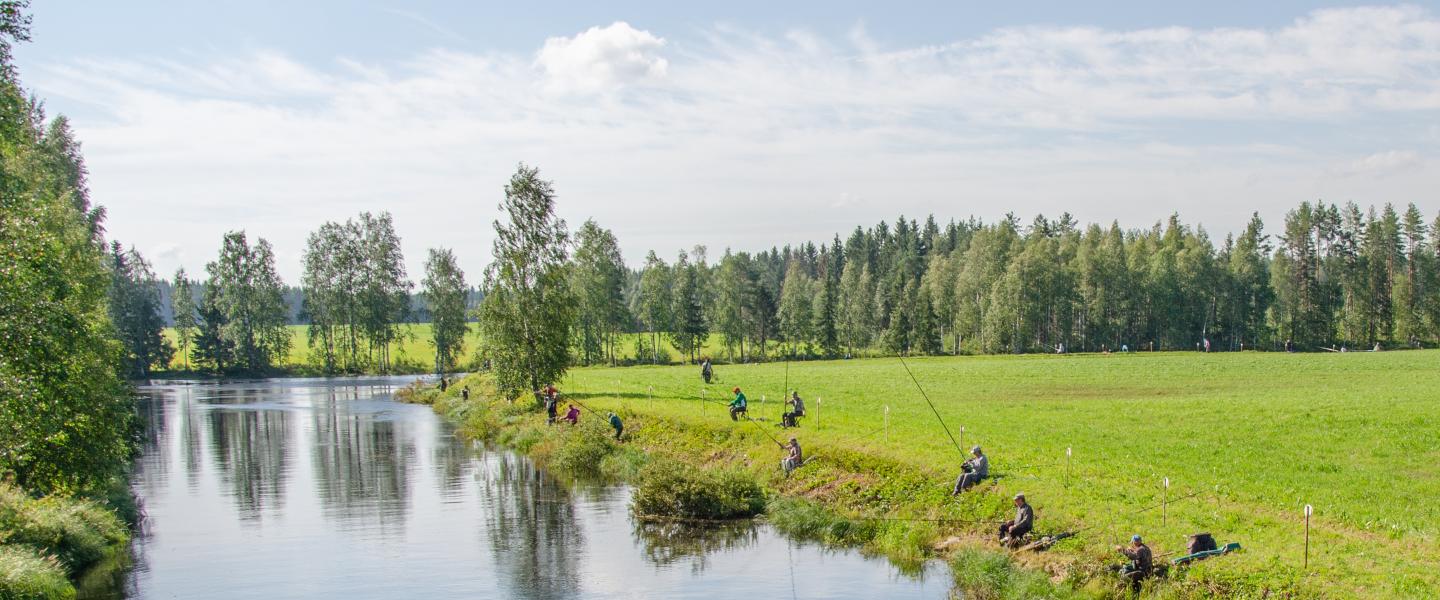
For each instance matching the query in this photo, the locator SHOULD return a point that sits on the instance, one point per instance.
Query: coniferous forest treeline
(1333, 277)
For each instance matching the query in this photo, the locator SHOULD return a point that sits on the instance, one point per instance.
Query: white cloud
(744, 140)
(602, 58)
(1383, 163)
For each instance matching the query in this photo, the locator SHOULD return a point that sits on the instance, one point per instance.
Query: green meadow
(1245, 439)
(414, 353)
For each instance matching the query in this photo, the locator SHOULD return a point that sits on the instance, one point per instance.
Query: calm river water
(322, 488)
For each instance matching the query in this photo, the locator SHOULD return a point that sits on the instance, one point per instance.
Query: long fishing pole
(764, 431)
(932, 406)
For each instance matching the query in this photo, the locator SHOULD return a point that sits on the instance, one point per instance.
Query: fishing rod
(932, 405)
(764, 431)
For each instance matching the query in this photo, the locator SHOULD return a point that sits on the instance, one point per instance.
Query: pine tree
(135, 313)
(690, 326)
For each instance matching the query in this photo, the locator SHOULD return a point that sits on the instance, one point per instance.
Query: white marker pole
(817, 411)
(1308, 509)
(887, 423)
(1067, 466)
(1165, 504)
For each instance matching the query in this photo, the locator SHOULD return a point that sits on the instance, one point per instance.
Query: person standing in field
(738, 406)
(1012, 531)
(552, 400)
(617, 425)
(1206, 342)
(706, 371)
(793, 458)
(973, 471)
(465, 393)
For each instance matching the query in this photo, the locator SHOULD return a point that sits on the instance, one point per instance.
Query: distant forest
(1333, 277)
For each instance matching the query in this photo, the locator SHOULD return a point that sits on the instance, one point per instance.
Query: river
(327, 488)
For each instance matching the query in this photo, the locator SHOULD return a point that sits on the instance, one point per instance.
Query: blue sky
(737, 125)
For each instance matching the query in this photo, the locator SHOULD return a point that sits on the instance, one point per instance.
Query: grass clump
(47, 542)
(669, 488)
(26, 575)
(988, 575)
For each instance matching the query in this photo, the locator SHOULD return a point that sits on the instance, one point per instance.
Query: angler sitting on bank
(1013, 531)
(738, 406)
(794, 458)
(972, 471)
(1141, 563)
(797, 410)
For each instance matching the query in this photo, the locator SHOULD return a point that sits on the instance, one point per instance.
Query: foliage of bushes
(45, 542)
(668, 488)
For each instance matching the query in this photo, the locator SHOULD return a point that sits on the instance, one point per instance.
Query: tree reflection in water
(252, 453)
(362, 461)
(669, 543)
(531, 524)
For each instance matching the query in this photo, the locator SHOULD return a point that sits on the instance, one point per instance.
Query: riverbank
(1242, 438)
(53, 548)
(821, 502)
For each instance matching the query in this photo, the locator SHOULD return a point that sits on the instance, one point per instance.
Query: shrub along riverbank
(51, 546)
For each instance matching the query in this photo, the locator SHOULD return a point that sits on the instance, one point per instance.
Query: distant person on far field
(706, 371)
(1206, 342)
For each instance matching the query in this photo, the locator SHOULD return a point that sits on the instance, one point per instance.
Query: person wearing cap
(1012, 531)
(1141, 562)
(617, 424)
(797, 410)
(738, 405)
(794, 458)
(972, 471)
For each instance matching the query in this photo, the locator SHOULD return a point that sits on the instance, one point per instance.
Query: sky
(742, 125)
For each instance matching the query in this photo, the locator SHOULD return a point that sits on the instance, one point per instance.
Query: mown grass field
(414, 348)
(1246, 439)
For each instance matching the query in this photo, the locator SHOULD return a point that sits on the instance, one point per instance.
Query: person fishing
(444, 384)
(706, 371)
(572, 414)
(1012, 531)
(1141, 563)
(551, 396)
(738, 406)
(465, 393)
(972, 471)
(794, 456)
(797, 410)
(617, 424)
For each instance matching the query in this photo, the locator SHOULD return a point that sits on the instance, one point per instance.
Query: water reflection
(324, 489)
(671, 543)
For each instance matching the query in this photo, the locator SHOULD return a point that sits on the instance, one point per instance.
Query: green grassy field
(414, 348)
(1246, 439)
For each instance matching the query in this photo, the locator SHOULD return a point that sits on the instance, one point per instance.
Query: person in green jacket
(738, 406)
